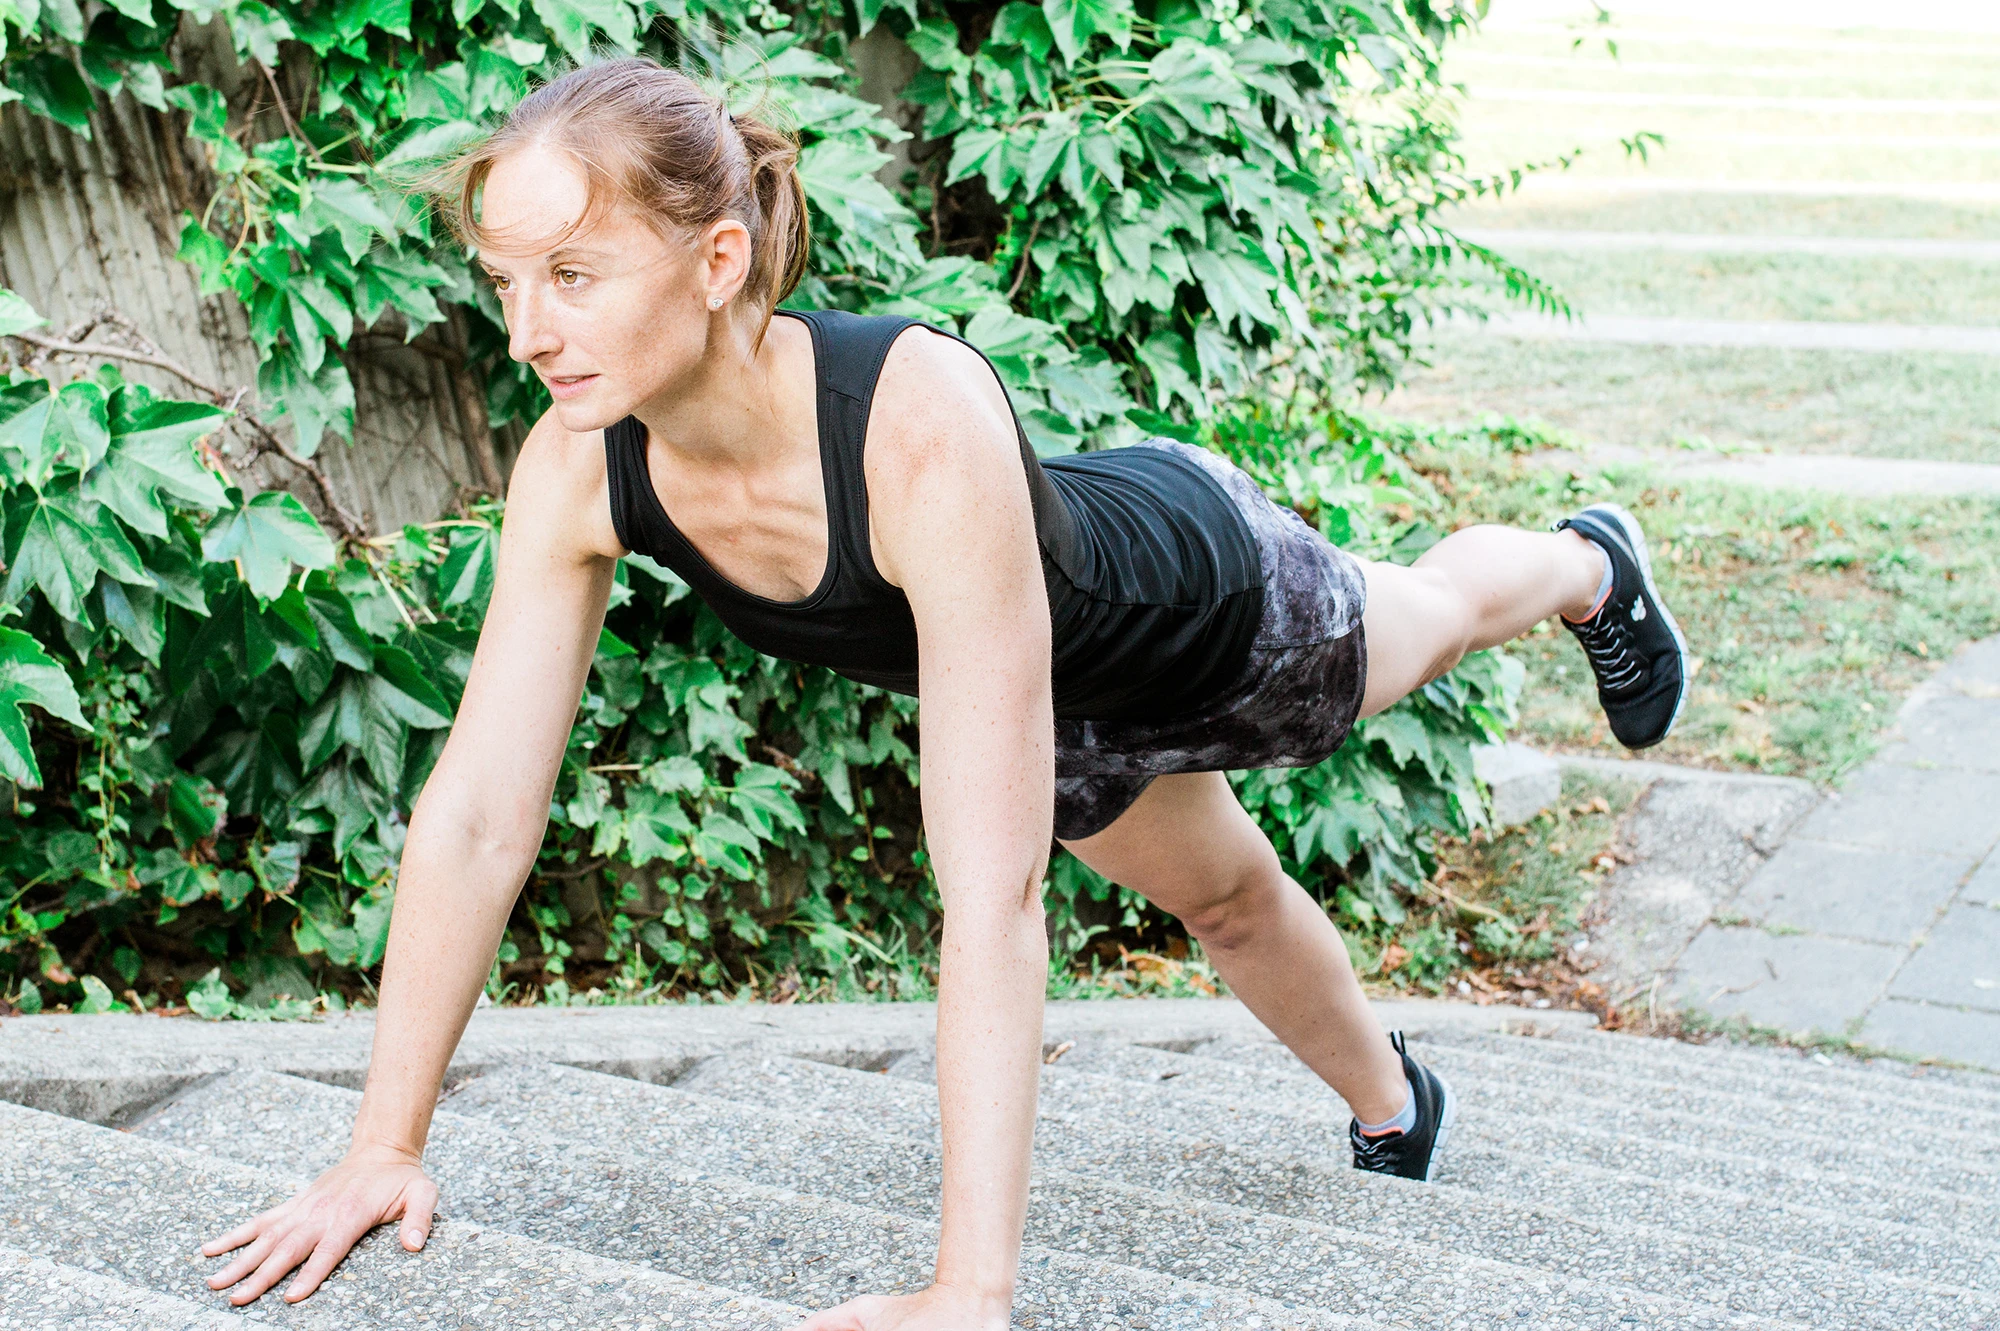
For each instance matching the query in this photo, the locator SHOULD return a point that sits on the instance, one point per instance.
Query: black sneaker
(1635, 648)
(1409, 1154)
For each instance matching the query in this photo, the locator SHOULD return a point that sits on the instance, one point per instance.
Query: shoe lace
(1614, 653)
(1379, 1154)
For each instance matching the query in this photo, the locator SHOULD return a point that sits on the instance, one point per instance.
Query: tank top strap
(848, 353)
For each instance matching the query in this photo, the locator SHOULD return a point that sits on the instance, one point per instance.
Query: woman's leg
(1188, 847)
(1476, 588)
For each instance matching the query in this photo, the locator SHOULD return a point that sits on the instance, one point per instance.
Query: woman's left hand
(938, 1308)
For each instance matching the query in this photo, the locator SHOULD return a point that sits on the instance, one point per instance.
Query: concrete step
(1497, 1110)
(1799, 1076)
(1784, 1263)
(139, 1211)
(1955, 1135)
(853, 1150)
(591, 1188)
(37, 1294)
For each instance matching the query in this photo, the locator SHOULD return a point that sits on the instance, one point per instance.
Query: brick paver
(1880, 919)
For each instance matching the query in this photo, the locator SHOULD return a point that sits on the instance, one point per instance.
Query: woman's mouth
(563, 386)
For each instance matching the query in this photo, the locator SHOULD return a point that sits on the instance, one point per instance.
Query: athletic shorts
(1291, 705)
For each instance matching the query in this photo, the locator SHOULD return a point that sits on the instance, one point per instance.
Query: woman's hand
(373, 1185)
(939, 1308)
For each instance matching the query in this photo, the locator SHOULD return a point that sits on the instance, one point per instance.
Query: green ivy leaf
(152, 462)
(655, 826)
(96, 997)
(58, 545)
(570, 23)
(1074, 22)
(209, 997)
(51, 87)
(29, 675)
(316, 399)
(265, 537)
(399, 687)
(16, 315)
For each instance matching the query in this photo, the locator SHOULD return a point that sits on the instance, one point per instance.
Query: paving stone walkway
(1787, 334)
(1878, 919)
(1835, 247)
(1830, 474)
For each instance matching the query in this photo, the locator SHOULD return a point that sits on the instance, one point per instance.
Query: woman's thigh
(1186, 845)
(1416, 627)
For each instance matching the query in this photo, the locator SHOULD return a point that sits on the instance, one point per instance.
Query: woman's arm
(472, 839)
(478, 825)
(954, 527)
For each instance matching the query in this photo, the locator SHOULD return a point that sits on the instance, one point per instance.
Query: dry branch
(268, 441)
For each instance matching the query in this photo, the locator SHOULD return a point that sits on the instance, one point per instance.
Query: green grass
(1499, 917)
(1675, 284)
(1868, 404)
(1811, 616)
(1736, 215)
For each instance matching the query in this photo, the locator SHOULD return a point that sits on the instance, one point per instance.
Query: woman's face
(615, 314)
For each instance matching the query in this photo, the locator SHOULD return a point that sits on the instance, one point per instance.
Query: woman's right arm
(473, 837)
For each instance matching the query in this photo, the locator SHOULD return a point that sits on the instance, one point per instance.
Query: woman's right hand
(373, 1185)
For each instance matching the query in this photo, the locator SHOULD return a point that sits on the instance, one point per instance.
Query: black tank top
(1153, 577)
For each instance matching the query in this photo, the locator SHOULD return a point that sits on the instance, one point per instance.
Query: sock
(1402, 1122)
(1603, 593)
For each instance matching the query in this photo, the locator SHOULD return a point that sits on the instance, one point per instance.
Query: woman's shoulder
(560, 479)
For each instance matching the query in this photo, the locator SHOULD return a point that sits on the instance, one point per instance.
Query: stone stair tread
(1303, 1095)
(1954, 1134)
(1811, 1277)
(1929, 1092)
(1935, 1084)
(1405, 1280)
(58, 1175)
(37, 1294)
(678, 1212)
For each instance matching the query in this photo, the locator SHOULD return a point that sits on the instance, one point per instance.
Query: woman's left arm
(955, 529)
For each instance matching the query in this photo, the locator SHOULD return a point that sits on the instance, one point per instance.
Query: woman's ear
(723, 260)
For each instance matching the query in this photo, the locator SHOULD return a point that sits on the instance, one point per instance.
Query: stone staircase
(1190, 1174)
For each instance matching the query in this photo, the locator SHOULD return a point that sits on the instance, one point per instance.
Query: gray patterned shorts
(1292, 704)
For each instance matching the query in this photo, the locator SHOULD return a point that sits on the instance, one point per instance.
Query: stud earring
(715, 302)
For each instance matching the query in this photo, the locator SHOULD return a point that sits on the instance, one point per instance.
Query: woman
(1095, 639)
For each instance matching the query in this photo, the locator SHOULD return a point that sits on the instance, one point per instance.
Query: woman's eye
(568, 276)
(499, 283)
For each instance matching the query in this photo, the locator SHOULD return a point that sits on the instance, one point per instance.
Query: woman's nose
(530, 332)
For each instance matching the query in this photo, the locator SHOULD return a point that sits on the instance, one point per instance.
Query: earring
(715, 302)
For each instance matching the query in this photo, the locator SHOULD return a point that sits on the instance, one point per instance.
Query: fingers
(244, 1264)
(333, 1246)
(236, 1237)
(285, 1254)
(419, 1205)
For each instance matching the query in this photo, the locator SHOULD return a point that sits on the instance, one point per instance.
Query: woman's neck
(740, 410)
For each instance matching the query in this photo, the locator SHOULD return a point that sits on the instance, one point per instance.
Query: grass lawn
(1869, 404)
(1811, 615)
(1735, 215)
(1501, 919)
(1673, 284)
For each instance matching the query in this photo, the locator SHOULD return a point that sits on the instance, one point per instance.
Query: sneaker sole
(1636, 539)
(1446, 1118)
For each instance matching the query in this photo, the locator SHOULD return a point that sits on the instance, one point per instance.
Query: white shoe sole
(1636, 538)
(1446, 1118)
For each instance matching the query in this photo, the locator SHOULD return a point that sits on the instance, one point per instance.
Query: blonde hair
(654, 137)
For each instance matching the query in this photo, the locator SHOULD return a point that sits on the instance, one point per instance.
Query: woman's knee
(1228, 910)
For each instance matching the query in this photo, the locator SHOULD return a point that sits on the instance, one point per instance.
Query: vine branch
(229, 399)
